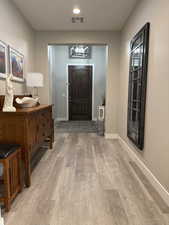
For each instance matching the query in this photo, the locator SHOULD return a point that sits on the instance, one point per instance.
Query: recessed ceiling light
(76, 11)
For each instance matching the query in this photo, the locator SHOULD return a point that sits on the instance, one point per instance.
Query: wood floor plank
(160, 202)
(116, 207)
(85, 180)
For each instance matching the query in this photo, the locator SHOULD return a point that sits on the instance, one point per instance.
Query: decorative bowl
(27, 102)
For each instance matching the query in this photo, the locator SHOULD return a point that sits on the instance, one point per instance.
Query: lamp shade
(34, 80)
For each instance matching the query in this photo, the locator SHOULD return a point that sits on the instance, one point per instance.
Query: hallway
(86, 180)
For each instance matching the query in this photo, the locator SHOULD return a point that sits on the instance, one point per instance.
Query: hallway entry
(78, 86)
(80, 92)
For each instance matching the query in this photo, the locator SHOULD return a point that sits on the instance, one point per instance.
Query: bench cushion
(7, 149)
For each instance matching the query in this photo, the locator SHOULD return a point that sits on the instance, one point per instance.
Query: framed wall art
(16, 64)
(4, 63)
(80, 51)
(137, 86)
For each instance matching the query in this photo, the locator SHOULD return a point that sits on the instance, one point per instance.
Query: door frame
(67, 84)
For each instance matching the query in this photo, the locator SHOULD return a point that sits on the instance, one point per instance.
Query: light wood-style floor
(87, 180)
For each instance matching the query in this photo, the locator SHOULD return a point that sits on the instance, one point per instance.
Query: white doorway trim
(67, 84)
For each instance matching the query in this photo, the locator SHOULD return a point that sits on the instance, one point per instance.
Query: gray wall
(17, 33)
(156, 150)
(59, 60)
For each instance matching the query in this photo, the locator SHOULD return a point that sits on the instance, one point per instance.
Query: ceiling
(53, 15)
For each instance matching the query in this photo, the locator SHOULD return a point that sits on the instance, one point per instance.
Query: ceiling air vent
(77, 19)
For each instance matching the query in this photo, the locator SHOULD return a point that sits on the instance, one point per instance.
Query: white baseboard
(150, 176)
(111, 136)
(66, 119)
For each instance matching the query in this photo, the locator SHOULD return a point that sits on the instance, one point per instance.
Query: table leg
(27, 169)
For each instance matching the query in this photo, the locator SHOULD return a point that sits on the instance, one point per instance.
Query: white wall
(16, 32)
(59, 61)
(156, 151)
(112, 39)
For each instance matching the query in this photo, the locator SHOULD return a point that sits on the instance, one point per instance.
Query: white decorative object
(27, 102)
(100, 120)
(101, 113)
(8, 103)
(34, 80)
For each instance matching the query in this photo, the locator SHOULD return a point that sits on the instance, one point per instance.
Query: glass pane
(134, 103)
(138, 41)
(134, 124)
(136, 59)
(135, 75)
(135, 87)
(141, 55)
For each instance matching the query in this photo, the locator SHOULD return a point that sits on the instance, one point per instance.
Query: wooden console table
(28, 127)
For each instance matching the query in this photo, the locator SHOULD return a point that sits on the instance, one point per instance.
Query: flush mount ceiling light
(76, 11)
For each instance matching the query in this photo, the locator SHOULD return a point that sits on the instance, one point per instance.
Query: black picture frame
(4, 60)
(17, 65)
(139, 50)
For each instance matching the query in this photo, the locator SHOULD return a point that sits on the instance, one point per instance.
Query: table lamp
(34, 80)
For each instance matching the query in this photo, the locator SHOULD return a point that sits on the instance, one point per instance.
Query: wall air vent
(77, 19)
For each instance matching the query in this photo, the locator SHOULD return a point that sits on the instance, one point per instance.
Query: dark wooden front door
(80, 92)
